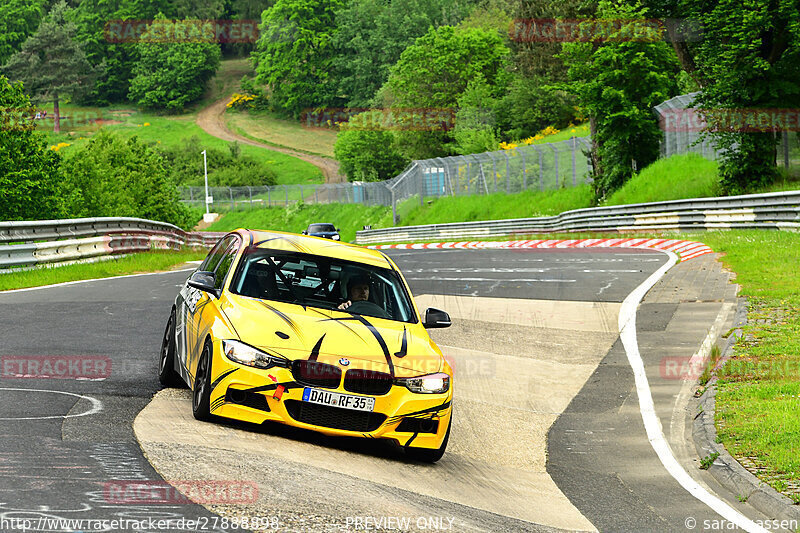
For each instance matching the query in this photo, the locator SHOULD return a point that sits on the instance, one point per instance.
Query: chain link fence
(683, 126)
(537, 167)
(528, 167)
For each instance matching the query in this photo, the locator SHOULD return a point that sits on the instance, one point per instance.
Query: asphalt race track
(547, 436)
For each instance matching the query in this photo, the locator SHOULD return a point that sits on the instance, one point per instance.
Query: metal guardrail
(56, 241)
(780, 210)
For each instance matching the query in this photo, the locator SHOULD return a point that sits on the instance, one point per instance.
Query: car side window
(215, 255)
(225, 264)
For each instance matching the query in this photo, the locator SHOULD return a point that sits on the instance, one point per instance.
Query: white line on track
(66, 283)
(652, 425)
(438, 278)
(96, 407)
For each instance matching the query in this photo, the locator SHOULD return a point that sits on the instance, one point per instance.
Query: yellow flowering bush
(241, 101)
(59, 146)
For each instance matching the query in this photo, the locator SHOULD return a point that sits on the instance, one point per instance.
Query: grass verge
(295, 218)
(154, 261)
(758, 395)
(285, 133)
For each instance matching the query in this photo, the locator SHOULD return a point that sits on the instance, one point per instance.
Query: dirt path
(212, 121)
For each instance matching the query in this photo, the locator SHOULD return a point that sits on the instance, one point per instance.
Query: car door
(189, 299)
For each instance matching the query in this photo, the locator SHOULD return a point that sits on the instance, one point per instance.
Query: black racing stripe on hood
(315, 350)
(341, 321)
(283, 317)
(381, 341)
(403, 346)
(429, 410)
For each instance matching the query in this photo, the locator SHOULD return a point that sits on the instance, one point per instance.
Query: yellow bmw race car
(312, 333)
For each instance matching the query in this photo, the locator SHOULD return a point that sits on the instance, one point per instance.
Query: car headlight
(244, 354)
(430, 384)
(335, 237)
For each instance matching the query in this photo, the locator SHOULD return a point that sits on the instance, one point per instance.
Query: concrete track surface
(547, 433)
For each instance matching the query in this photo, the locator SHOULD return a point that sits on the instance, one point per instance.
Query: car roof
(292, 242)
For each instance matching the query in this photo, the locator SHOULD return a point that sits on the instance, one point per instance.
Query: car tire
(201, 394)
(427, 455)
(166, 363)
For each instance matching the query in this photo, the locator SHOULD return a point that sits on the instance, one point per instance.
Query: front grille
(367, 381)
(418, 425)
(334, 417)
(316, 374)
(249, 399)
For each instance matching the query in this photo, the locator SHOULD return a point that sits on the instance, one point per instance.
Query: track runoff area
(565, 418)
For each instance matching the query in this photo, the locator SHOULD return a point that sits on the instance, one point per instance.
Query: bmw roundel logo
(344, 362)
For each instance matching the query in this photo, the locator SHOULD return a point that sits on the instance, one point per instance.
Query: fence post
(555, 158)
(269, 196)
(233, 204)
(251, 196)
(541, 166)
(524, 170)
(316, 195)
(421, 184)
(286, 188)
(394, 208)
(301, 194)
(508, 171)
(574, 173)
(494, 170)
(786, 149)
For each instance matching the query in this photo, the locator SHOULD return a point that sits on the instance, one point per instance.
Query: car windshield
(321, 228)
(323, 282)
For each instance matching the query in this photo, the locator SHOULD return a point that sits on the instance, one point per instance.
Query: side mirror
(304, 232)
(203, 281)
(436, 318)
(338, 230)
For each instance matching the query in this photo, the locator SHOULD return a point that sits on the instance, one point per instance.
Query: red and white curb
(684, 249)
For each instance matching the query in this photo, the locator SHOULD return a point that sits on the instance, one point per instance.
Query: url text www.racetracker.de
(691, 523)
(215, 523)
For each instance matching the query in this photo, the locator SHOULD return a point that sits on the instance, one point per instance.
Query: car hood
(399, 348)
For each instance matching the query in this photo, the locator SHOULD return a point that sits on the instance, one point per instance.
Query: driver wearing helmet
(357, 291)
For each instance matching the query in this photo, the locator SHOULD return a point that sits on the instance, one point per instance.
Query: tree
(476, 120)
(112, 52)
(18, 20)
(169, 75)
(371, 35)
(292, 55)
(367, 153)
(748, 56)
(29, 171)
(117, 177)
(618, 83)
(51, 63)
(433, 72)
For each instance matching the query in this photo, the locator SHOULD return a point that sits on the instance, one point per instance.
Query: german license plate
(335, 399)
